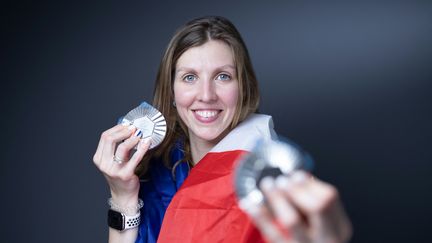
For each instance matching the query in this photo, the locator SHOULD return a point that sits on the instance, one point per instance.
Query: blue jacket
(157, 194)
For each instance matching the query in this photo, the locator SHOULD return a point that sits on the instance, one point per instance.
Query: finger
(285, 213)
(320, 201)
(327, 215)
(110, 143)
(299, 230)
(311, 196)
(142, 149)
(112, 139)
(123, 149)
(98, 154)
(263, 220)
(332, 225)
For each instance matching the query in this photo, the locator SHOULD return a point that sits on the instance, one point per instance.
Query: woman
(207, 90)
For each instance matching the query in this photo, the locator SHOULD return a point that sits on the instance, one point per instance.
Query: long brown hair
(192, 34)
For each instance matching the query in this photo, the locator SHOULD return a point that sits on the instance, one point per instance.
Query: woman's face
(206, 90)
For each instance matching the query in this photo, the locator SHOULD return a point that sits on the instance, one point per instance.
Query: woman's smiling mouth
(206, 116)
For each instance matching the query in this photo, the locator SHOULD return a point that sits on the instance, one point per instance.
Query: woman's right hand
(118, 143)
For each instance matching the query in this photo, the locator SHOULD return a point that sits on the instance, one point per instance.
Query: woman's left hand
(301, 208)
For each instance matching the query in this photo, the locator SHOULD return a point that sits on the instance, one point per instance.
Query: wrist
(126, 209)
(125, 200)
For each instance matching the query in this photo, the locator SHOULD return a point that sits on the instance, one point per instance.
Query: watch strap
(131, 221)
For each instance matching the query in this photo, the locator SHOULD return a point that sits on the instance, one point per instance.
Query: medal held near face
(149, 122)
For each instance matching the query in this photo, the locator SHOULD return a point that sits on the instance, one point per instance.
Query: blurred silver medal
(267, 158)
(149, 121)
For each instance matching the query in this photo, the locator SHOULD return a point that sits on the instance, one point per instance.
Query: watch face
(115, 220)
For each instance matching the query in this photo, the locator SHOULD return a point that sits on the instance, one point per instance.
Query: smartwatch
(120, 221)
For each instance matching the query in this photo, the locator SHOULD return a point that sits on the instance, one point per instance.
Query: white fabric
(246, 134)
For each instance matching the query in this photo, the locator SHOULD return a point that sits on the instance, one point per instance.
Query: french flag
(205, 207)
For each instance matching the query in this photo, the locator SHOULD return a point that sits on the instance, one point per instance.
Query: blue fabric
(157, 194)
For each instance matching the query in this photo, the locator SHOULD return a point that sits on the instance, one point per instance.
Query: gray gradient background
(349, 81)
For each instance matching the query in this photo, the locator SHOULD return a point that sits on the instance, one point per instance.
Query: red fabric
(205, 207)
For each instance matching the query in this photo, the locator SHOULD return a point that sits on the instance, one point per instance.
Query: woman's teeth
(207, 114)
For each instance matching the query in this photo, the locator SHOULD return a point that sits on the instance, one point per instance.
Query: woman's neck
(199, 148)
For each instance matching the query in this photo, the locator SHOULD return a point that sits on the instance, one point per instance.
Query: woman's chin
(214, 137)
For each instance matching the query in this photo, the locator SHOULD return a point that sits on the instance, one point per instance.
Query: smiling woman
(182, 191)
(206, 93)
(188, 43)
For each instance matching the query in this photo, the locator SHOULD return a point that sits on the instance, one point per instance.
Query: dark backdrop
(350, 81)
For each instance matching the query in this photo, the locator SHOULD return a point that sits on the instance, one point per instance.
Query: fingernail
(267, 183)
(283, 183)
(131, 127)
(138, 133)
(145, 142)
(250, 208)
(299, 177)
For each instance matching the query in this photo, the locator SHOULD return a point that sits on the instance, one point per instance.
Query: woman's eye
(223, 77)
(189, 78)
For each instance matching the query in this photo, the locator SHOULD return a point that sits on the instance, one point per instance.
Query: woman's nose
(207, 92)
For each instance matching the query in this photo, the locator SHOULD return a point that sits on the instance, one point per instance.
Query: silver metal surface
(149, 120)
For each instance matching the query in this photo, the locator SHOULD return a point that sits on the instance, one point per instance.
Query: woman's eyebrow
(226, 66)
(189, 69)
(184, 69)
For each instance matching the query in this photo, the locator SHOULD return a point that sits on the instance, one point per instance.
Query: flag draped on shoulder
(205, 209)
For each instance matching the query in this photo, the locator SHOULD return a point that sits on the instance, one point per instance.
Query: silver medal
(267, 158)
(149, 121)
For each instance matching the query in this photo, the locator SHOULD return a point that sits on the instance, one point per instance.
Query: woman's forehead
(210, 55)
